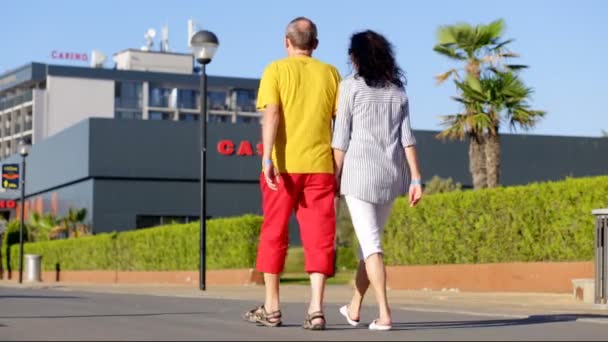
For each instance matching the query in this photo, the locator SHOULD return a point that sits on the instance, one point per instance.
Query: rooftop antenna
(97, 59)
(149, 36)
(164, 45)
(192, 28)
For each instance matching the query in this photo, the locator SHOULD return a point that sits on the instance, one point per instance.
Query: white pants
(368, 220)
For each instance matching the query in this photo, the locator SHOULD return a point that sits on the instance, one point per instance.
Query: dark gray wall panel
(118, 202)
(61, 159)
(528, 158)
(168, 149)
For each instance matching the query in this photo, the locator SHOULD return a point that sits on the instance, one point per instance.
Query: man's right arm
(270, 124)
(269, 103)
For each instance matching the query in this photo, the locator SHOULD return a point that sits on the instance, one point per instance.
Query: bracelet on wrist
(267, 162)
(416, 182)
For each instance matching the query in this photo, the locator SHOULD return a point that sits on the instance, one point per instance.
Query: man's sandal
(311, 317)
(260, 315)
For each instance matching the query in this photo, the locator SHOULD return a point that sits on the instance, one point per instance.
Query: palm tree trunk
(477, 162)
(492, 151)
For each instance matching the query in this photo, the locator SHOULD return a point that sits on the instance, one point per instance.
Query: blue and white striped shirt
(373, 127)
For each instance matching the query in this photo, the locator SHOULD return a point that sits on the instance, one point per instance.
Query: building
(39, 100)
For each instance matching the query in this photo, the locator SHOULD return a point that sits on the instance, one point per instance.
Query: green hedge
(549, 221)
(10, 237)
(231, 243)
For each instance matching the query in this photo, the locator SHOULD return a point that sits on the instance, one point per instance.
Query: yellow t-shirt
(305, 89)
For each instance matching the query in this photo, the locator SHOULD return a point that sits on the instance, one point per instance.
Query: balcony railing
(15, 100)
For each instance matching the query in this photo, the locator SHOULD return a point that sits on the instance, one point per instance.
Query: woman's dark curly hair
(373, 57)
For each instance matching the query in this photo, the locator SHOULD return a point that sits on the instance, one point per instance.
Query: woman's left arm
(408, 142)
(415, 193)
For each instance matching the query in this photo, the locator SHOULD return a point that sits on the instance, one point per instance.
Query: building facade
(40, 100)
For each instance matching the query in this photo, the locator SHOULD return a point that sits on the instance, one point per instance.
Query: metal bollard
(32, 267)
(601, 255)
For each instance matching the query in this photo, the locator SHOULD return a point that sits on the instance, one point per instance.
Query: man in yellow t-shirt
(297, 95)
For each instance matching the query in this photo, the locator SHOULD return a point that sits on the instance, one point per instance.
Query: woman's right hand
(338, 179)
(415, 194)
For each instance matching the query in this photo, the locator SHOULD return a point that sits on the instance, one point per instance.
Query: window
(159, 116)
(187, 98)
(247, 119)
(148, 221)
(245, 100)
(128, 95)
(124, 114)
(28, 120)
(217, 100)
(188, 117)
(161, 96)
(219, 118)
(27, 139)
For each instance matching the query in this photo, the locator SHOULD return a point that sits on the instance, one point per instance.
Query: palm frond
(496, 28)
(516, 67)
(445, 75)
(501, 45)
(508, 55)
(449, 51)
(454, 127)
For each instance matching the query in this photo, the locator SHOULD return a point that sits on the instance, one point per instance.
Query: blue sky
(564, 42)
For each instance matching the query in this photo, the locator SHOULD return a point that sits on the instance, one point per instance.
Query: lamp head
(204, 45)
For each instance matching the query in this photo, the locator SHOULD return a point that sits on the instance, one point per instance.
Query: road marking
(593, 320)
(504, 315)
(462, 312)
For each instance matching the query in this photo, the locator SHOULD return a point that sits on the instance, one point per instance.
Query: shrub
(231, 243)
(10, 237)
(438, 185)
(549, 221)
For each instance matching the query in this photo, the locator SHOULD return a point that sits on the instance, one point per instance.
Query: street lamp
(204, 45)
(23, 151)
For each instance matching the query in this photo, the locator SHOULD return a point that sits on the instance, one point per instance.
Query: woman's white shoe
(344, 312)
(380, 327)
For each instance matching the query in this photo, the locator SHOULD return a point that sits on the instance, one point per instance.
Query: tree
(499, 97)
(73, 221)
(39, 226)
(485, 57)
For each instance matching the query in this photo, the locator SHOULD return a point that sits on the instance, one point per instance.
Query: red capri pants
(312, 197)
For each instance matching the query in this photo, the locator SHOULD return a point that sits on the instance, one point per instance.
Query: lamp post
(23, 151)
(204, 44)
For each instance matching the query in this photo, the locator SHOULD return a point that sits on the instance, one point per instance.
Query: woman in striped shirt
(372, 142)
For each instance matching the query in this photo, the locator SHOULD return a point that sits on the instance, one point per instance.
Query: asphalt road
(43, 314)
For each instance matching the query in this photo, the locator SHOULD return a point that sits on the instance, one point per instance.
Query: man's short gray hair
(302, 36)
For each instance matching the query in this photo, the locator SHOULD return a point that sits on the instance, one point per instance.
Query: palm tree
(74, 222)
(480, 48)
(498, 97)
(40, 225)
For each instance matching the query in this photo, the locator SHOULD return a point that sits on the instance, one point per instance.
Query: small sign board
(10, 176)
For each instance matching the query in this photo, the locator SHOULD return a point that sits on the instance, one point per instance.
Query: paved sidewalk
(501, 304)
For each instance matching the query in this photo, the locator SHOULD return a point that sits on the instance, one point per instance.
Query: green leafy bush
(549, 221)
(438, 185)
(10, 237)
(231, 243)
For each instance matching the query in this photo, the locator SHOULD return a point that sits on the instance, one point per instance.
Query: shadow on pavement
(108, 315)
(37, 297)
(535, 319)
